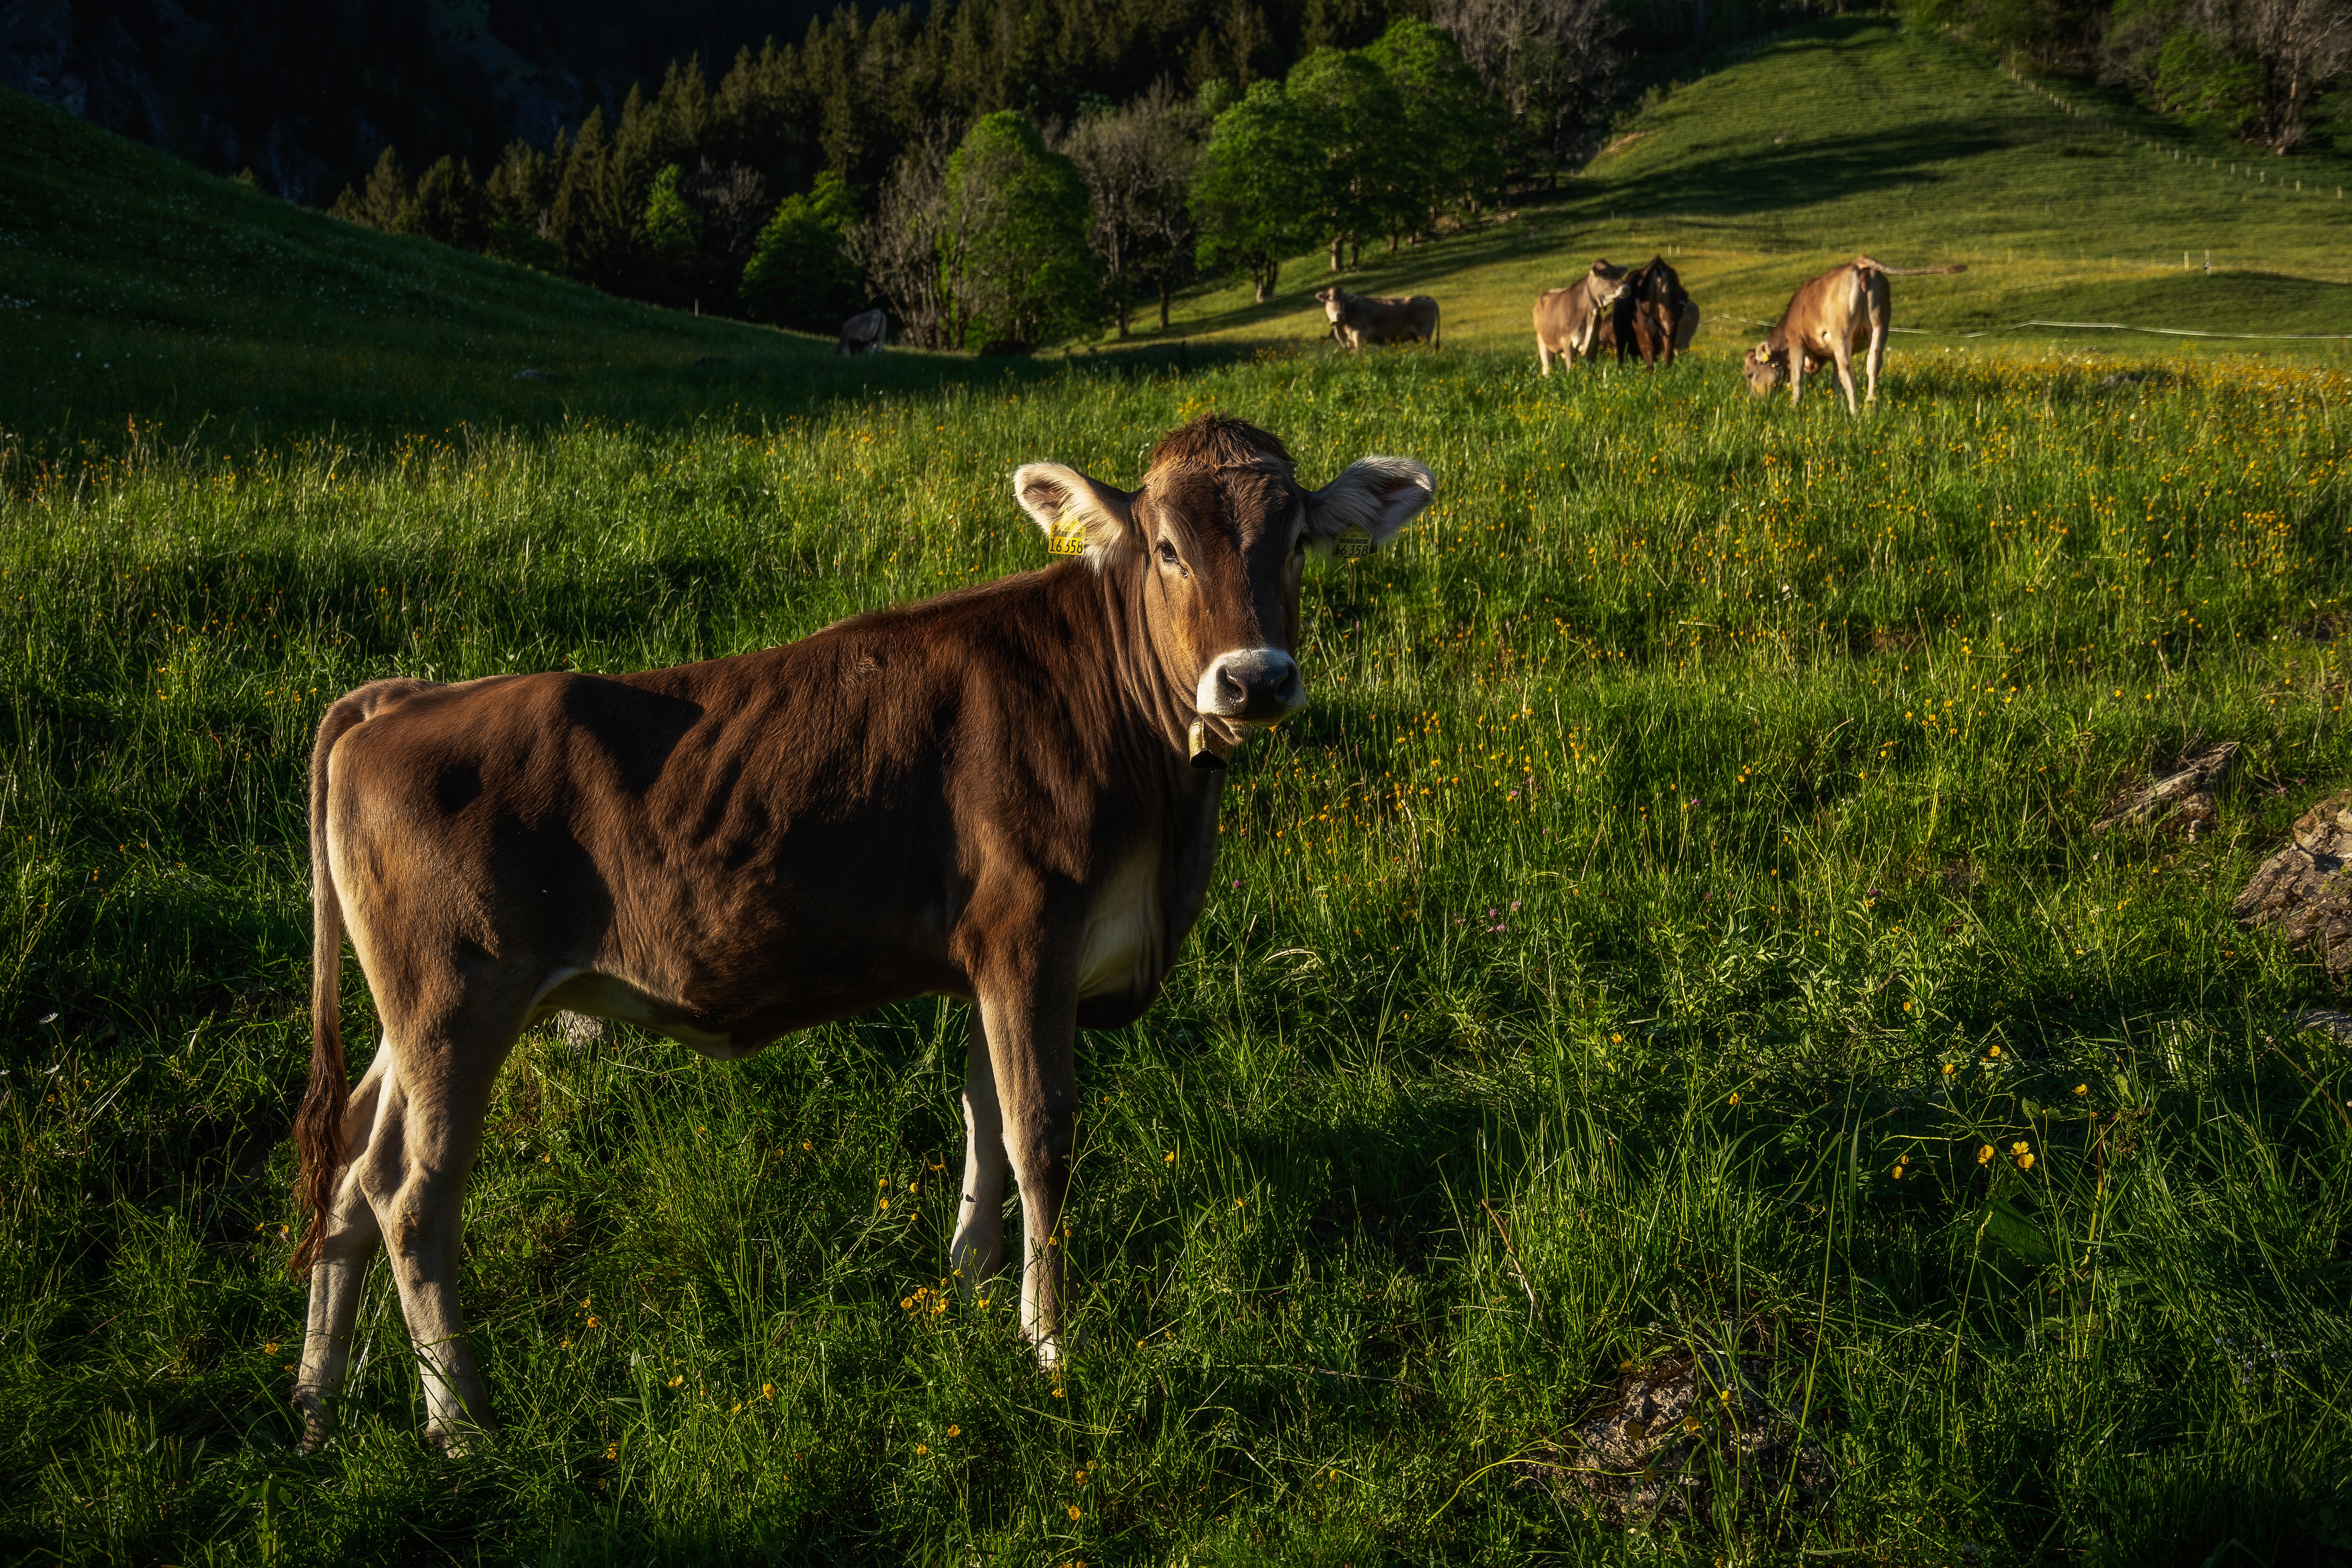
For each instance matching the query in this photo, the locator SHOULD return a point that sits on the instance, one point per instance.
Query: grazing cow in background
(1568, 320)
(1845, 311)
(864, 333)
(1007, 794)
(1360, 318)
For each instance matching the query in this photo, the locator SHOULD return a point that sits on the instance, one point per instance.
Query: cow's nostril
(1232, 687)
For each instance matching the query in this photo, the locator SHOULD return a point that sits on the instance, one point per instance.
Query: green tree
(381, 200)
(2206, 86)
(1360, 120)
(515, 200)
(1015, 254)
(673, 239)
(1454, 129)
(800, 274)
(1246, 195)
(447, 206)
(593, 219)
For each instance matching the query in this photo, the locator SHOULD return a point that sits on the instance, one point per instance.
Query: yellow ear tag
(1352, 541)
(1066, 539)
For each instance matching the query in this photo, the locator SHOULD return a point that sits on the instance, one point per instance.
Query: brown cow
(1568, 320)
(1832, 316)
(1669, 313)
(866, 333)
(1360, 318)
(1007, 794)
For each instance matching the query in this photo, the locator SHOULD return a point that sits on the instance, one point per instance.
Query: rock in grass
(580, 1031)
(2304, 889)
(2183, 800)
(1677, 1429)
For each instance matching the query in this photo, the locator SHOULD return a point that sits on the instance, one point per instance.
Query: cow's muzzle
(1252, 688)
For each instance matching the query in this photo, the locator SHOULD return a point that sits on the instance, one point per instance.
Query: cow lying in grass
(1007, 794)
(1845, 310)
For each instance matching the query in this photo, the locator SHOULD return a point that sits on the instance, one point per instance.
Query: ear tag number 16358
(1066, 539)
(1352, 542)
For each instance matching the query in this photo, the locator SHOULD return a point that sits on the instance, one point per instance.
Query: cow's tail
(1868, 264)
(318, 1124)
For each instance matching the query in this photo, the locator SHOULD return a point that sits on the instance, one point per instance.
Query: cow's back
(767, 840)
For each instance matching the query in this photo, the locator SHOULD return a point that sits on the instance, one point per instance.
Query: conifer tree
(447, 206)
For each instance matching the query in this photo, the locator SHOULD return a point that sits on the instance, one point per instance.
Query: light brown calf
(1007, 795)
(1845, 311)
(1567, 319)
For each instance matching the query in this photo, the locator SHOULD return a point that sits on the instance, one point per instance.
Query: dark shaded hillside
(134, 288)
(307, 91)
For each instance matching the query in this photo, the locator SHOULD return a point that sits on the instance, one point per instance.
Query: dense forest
(1010, 172)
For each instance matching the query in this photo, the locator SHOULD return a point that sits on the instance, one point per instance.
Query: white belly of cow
(1124, 932)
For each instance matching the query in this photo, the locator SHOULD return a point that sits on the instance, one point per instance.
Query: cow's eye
(1168, 554)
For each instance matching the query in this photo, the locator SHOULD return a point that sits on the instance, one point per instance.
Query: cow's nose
(1257, 683)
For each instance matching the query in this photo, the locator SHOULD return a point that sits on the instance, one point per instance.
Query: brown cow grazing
(1568, 320)
(866, 333)
(1845, 309)
(1360, 318)
(1007, 794)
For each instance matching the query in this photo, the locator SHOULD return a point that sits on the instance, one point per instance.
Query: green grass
(1687, 749)
(1857, 135)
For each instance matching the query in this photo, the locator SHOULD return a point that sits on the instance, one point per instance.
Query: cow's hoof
(318, 1424)
(452, 1439)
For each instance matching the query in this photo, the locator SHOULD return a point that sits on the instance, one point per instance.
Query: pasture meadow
(1675, 933)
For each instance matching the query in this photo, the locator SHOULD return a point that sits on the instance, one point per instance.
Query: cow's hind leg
(437, 1098)
(978, 1249)
(1845, 357)
(349, 1236)
(1543, 354)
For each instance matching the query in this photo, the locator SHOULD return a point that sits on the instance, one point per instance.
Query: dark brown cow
(1007, 794)
(1845, 310)
(1651, 317)
(1360, 318)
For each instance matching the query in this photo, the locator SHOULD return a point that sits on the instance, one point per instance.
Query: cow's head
(1335, 301)
(1214, 546)
(1764, 368)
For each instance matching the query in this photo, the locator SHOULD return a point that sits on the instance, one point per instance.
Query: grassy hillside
(137, 288)
(1676, 936)
(1859, 136)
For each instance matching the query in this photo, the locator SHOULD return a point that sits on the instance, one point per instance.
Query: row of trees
(1011, 231)
(2269, 71)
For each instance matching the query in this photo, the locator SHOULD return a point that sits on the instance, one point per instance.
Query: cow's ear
(1080, 516)
(1373, 500)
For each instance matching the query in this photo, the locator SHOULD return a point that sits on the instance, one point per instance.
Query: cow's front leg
(1796, 374)
(1032, 1048)
(978, 1249)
